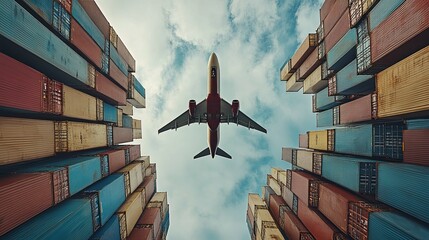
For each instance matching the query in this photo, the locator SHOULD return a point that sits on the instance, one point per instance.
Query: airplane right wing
(185, 118)
(242, 119)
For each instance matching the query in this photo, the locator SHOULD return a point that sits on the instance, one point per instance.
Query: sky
(171, 42)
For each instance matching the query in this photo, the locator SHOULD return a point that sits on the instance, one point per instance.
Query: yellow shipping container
(282, 177)
(403, 88)
(77, 104)
(25, 139)
(292, 85)
(255, 202)
(133, 176)
(314, 83)
(318, 140)
(137, 123)
(129, 213)
(285, 72)
(75, 136)
(270, 232)
(145, 160)
(304, 159)
(263, 216)
(275, 172)
(137, 133)
(306, 47)
(128, 109)
(272, 182)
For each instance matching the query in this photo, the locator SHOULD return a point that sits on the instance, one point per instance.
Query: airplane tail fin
(203, 153)
(222, 153)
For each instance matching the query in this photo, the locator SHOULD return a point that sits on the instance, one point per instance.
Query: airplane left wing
(186, 119)
(240, 119)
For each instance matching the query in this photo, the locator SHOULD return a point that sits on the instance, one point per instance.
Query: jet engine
(192, 107)
(235, 108)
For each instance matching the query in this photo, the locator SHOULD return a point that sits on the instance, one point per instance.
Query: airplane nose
(213, 60)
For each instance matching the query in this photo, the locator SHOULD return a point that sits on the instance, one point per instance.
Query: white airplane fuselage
(213, 104)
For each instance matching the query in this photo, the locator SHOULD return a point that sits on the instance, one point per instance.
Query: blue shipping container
(71, 219)
(85, 21)
(110, 113)
(325, 118)
(381, 11)
(42, 8)
(343, 52)
(139, 87)
(20, 27)
(110, 230)
(324, 102)
(117, 59)
(393, 225)
(417, 124)
(111, 194)
(61, 20)
(356, 174)
(127, 121)
(404, 186)
(348, 82)
(166, 222)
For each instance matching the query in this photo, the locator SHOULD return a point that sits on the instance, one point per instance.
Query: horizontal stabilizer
(203, 153)
(222, 153)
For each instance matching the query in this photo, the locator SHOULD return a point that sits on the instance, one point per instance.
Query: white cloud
(307, 18)
(251, 50)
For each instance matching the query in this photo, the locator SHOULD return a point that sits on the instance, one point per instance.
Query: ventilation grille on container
(295, 204)
(127, 183)
(104, 161)
(60, 185)
(374, 106)
(109, 135)
(91, 75)
(313, 197)
(321, 51)
(317, 163)
(358, 222)
(363, 55)
(95, 210)
(61, 20)
(331, 140)
(387, 140)
(336, 117)
(288, 178)
(320, 32)
(61, 136)
(332, 86)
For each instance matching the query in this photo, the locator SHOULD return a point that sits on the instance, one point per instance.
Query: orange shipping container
(307, 46)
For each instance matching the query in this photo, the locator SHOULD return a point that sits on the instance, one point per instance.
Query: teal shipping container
(417, 124)
(111, 195)
(322, 101)
(118, 60)
(85, 21)
(381, 11)
(348, 82)
(371, 140)
(127, 121)
(42, 8)
(110, 113)
(343, 52)
(110, 230)
(166, 222)
(325, 118)
(356, 174)
(70, 220)
(29, 41)
(139, 87)
(404, 187)
(394, 225)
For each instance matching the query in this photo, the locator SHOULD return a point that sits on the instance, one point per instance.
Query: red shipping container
(122, 135)
(358, 110)
(274, 206)
(67, 4)
(334, 204)
(126, 55)
(141, 232)
(317, 224)
(403, 33)
(85, 44)
(334, 15)
(22, 197)
(326, 7)
(27, 89)
(116, 160)
(338, 31)
(292, 226)
(306, 187)
(303, 140)
(359, 218)
(416, 146)
(96, 16)
(309, 65)
(134, 152)
(110, 89)
(151, 216)
(118, 75)
(149, 185)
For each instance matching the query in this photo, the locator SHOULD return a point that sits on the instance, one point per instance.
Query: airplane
(213, 110)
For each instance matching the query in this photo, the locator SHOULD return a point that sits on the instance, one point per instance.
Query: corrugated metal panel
(74, 136)
(306, 47)
(359, 214)
(381, 11)
(325, 118)
(402, 88)
(82, 17)
(42, 8)
(398, 183)
(27, 32)
(120, 113)
(338, 31)
(306, 187)
(96, 16)
(149, 185)
(110, 113)
(304, 159)
(323, 101)
(388, 45)
(326, 8)
(348, 82)
(308, 66)
(417, 124)
(111, 193)
(150, 216)
(71, 219)
(122, 135)
(131, 211)
(110, 89)
(416, 150)
(160, 197)
(84, 43)
(293, 227)
(393, 225)
(334, 204)
(357, 174)
(77, 104)
(117, 60)
(337, 10)
(142, 232)
(314, 82)
(358, 110)
(272, 182)
(343, 52)
(292, 85)
(137, 123)
(318, 139)
(126, 55)
(108, 231)
(135, 172)
(15, 190)
(317, 224)
(117, 75)
(134, 152)
(136, 99)
(25, 139)
(356, 140)
(128, 109)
